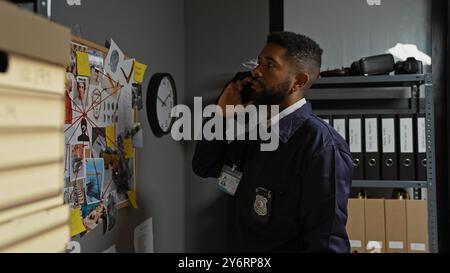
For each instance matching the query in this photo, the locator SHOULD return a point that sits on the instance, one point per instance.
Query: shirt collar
(291, 118)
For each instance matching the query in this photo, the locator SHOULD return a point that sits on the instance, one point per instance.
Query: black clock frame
(152, 100)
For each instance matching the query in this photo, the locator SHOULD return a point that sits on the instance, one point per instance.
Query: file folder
(407, 160)
(355, 133)
(389, 148)
(340, 125)
(421, 162)
(372, 151)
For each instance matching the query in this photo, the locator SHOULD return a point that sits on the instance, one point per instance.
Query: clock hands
(166, 99)
(163, 102)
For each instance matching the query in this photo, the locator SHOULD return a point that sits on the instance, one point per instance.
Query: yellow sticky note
(83, 68)
(132, 198)
(76, 225)
(139, 71)
(128, 148)
(110, 137)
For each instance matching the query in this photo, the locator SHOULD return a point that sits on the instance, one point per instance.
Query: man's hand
(232, 96)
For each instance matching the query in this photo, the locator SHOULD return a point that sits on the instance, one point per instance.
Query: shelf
(321, 112)
(370, 81)
(388, 184)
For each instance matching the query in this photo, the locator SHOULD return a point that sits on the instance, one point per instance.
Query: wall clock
(161, 98)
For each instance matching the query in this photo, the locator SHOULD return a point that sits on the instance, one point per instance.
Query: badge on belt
(229, 179)
(262, 205)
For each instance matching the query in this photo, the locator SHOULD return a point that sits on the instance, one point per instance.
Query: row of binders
(33, 217)
(384, 147)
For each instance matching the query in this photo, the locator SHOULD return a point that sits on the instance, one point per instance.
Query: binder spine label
(388, 133)
(422, 148)
(371, 135)
(355, 135)
(339, 126)
(406, 140)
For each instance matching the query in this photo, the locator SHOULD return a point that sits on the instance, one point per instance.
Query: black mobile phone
(246, 93)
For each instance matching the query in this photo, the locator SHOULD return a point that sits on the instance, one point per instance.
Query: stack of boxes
(387, 226)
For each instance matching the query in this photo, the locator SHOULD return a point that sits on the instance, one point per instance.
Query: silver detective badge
(260, 205)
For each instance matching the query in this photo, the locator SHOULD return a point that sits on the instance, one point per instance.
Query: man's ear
(301, 80)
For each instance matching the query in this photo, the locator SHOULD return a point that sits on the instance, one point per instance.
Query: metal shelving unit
(414, 82)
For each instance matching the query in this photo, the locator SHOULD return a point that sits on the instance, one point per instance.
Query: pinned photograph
(93, 214)
(76, 161)
(74, 47)
(97, 106)
(81, 93)
(83, 137)
(94, 180)
(96, 59)
(68, 91)
(111, 209)
(98, 141)
(113, 61)
(79, 198)
(108, 110)
(125, 114)
(137, 96)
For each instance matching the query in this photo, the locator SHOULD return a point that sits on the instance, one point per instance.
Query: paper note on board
(83, 68)
(139, 71)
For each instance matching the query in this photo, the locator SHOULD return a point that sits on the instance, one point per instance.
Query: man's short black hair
(303, 49)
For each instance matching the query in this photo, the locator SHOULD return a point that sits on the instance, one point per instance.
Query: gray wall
(348, 30)
(202, 43)
(152, 31)
(220, 35)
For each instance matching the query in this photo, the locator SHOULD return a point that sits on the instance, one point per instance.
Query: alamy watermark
(244, 123)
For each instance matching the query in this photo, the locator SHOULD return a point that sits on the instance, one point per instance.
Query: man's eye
(270, 65)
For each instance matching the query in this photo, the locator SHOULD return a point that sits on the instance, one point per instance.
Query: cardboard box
(356, 225)
(375, 226)
(417, 226)
(395, 215)
(33, 36)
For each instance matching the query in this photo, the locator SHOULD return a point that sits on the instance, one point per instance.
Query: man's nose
(256, 72)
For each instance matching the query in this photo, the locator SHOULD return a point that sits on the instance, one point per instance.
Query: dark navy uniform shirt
(309, 181)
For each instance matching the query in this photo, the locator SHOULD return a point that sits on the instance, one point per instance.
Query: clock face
(164, 104)
(161, 98)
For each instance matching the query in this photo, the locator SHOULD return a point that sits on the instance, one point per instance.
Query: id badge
(229, 179)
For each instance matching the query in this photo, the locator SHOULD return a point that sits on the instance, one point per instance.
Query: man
(293, 199)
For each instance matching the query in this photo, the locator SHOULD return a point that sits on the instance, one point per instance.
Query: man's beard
(270, 96)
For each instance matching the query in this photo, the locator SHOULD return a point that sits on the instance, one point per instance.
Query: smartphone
(246, 93)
